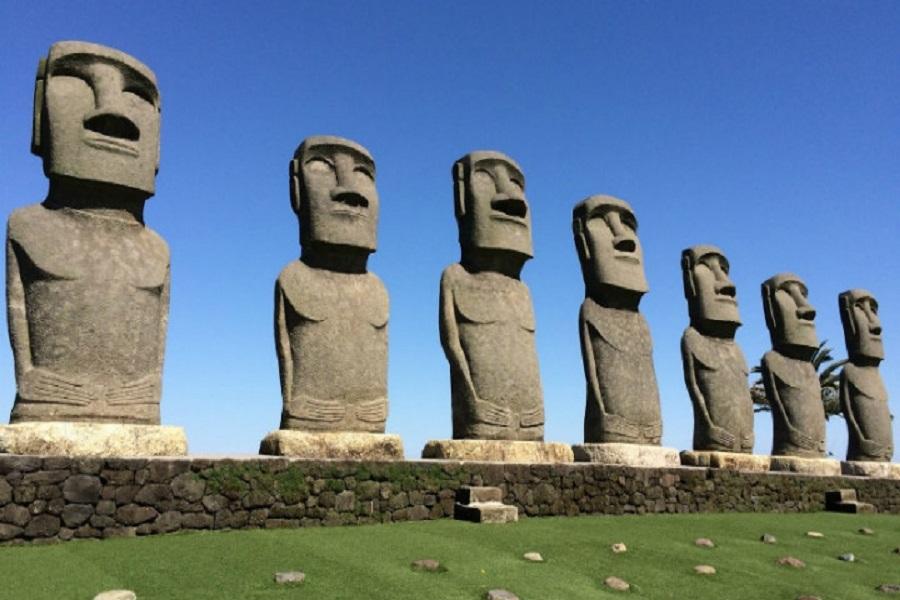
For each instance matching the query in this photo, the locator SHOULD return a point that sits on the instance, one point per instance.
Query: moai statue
(790, 380)
(331, 314)
(87, 281)
(863, 395)
(715, 370)
(486, 316)
(622, 397)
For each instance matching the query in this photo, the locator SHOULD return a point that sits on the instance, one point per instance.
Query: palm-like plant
(827, 368)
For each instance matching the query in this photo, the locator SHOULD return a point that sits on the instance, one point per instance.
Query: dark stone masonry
(45, 499)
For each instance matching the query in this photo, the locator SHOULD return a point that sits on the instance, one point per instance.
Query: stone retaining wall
(62, 498)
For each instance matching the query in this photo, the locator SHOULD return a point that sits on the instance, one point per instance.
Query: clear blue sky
(771, 129)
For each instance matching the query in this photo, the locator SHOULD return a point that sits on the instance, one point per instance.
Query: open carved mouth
(103, 142)
(510, 207)
(350, 204)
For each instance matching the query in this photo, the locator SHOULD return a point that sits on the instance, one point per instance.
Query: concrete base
(58, 438)
(498, 451)
(733, 461)
(880, 470)
(806, 466)
(630, 455)
(342, 445)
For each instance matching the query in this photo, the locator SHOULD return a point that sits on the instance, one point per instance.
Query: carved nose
(727, 290)
(113, 125)
(624, 244)
(806, 313)
(349, 198)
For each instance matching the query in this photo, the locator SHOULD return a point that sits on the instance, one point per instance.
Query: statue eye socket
(365, 171)
(517, 182)
(140, 92)
(320, 165)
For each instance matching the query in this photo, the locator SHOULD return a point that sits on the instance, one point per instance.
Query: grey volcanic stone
(704, 543)
(188, 486)
(15, 515)
(132, 514)
(622, 395)
(331, 314)
(499, 594)
(790, 380)
(9, 532)
(116, 595)
(889, 588)
(5, 492)
(617, 584)
(847, 557)
(74, 515)
(486, 315)
(87, 281)
(286, 577)
(768, 538)
(715, 370)
(82, 488)
(864, 399)
(426, 564)
(42, 526)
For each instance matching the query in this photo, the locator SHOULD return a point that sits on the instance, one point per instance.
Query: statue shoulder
(486, 299)
(156, 244)
(624, 330)
(377, 302)
(30, 223)
(865, 380)
(298, 284)
(790, 371)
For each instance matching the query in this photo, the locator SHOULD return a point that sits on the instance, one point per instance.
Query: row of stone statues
(88, 291)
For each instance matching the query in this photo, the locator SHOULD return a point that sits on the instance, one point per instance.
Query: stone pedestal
(881, 470)
(732, 461)
(343, 445)
(630, 455)
(806, 466)
(498, 451)
(57, 438)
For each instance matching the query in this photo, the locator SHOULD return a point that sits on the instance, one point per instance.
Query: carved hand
(492, 414)
(721, 436)
(532, 418)
(316, 409)
(40, 385)
(804, 441)
(614, 423)
(140, 391)
(372, 411)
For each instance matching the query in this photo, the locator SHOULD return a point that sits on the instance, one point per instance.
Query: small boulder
(768, 538)
(619, 548)
(116, 595)
(807, 597)
(533, 556)
(866, 531)
(705, 570)
(499, 594)
(427, 564)
(790, 561)
(286, 577)
(889, 588)
(847, 557)
(815, 534)
(704, 543)
(617, 584)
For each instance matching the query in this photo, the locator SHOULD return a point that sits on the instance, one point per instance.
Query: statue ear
(845, 306)
(38, 115)
(295, 174)
(459, 189)
(769, 309)
(687, 275)
(581, 245)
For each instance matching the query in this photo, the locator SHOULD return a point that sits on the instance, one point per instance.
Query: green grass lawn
(374, 561)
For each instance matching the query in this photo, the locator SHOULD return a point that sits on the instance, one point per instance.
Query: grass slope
(373, 561)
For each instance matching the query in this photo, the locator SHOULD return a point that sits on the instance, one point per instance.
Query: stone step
(469, 494)
(486, 512)
(852, 507)
(837, 496)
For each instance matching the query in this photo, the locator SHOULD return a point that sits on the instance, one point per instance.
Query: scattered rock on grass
(790, 561)
(614, 583)
(897, 550)
(889, 588)
(808, 598)
(815, 534)
(768, 538)
(704, 543)
(619, 548)
(533, 556)
(866, 531)
(705, 570)
(500, 595)
(847, 557)
(426, 564)
(116, 595)
(285, 577)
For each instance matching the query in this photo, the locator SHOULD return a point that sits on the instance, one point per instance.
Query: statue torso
(798, 390)
(868, 399)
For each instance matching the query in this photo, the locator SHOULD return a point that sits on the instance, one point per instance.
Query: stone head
(862, 327)
(789, 315)
(605, 231)
(491, 209)
(96, 116)
(710, 293)
(333, 193)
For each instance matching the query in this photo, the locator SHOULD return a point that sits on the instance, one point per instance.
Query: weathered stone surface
(87, 281)
(42, 526)
(619, 548)
(866, 531)
(486, 316)
(116, 595)
(617, 584)
(74, 515)
(188, 486)
(289, 577)
(806, 466)
(427, 564)
(82, 489)
(768, 538)
(889, 588)
(847, 557)
(9, 532)
(790, 380)
(92, 439)
(622, 395)
(132, 514)
(715, 370)
(349, 445)
(499, 594)
(486, 512)
(5, 492)
(330, 313)
(815, 534)
(704, 543)
(15, 515)
(882, 470)
(705, 570)
(498, 451)
(790, 561)
(533, 557)
(864, 399)
(633, 455)
(733, 461)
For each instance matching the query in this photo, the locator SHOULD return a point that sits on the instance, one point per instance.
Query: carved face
(491, 208)
(333, 192)
(789, 315)
(97, 116)
(862, 327)
(709, 290)
(606, 238)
